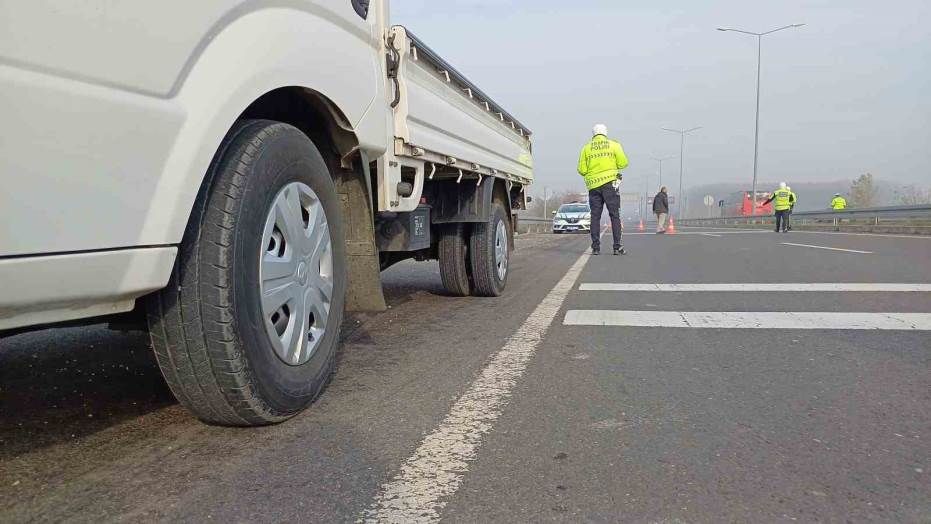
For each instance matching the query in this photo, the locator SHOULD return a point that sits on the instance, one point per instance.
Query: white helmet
(600, 129)
(782, 185)
(788, 188)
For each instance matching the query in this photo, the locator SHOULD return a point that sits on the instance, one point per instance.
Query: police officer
(783, 199)
(793, 200)
(600, 164)
(839, 203)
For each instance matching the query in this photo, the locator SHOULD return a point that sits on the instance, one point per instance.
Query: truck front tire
(247, 331)
(490, 252)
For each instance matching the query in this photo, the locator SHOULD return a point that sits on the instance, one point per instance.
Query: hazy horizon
(845, 95)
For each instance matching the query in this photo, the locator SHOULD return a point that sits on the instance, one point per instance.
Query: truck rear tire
(490, 253)
(247, 331)
(455, 269)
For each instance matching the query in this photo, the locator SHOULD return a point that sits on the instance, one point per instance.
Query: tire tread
(192, 321)
(482, 250)
(454, 260)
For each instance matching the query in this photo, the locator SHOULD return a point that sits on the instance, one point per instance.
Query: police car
(569, 218)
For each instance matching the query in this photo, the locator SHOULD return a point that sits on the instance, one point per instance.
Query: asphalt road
(496, 410)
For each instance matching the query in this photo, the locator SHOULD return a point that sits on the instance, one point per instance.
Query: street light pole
(682, 133)
(646, 197)
(756, 131)
(759, 62)
(660, 161)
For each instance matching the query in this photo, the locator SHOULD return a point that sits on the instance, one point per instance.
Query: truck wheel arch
(327, 126)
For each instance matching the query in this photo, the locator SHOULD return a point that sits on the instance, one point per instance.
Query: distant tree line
(540, 207)
(864, 193)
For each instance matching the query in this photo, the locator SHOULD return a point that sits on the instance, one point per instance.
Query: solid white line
(711, 235)
(887, 235)
(737, 320)
(829, 248)
(434, 472)
(787, 287)
(751, 231)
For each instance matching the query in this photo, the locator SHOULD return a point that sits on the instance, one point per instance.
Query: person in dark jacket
(661, 210)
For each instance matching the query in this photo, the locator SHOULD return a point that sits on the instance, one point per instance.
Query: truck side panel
(445, 118)
(89, 166)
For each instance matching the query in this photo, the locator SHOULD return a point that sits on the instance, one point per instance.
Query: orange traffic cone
(641, 228)
(672, 227)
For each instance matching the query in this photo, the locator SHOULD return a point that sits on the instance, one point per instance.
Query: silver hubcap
(296, 273)
(501, 249)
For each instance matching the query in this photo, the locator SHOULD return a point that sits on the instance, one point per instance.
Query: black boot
(596, 251)
(620, 251)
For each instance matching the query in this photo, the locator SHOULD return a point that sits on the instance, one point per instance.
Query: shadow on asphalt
(59, 385)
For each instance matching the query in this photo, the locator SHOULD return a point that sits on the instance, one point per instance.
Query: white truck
(236, 175)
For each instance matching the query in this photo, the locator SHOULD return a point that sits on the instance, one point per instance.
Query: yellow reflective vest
(600, 161)
(838, 203)
(782, 199)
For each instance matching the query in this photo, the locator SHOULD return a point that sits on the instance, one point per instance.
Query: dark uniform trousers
(598, 198)
(782, 220)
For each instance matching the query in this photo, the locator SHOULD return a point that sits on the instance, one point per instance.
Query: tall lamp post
(682, 133)
(646, 196)
(759, 59)
(660, 161)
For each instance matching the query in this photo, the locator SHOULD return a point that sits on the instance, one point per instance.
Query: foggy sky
(848, 93)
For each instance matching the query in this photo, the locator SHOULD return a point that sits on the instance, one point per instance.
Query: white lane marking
(727, 229)
(434, 472)
(829, 248)
(750, 320)
(888, 235)
(718, 235)
(787, 287)
(750, 231)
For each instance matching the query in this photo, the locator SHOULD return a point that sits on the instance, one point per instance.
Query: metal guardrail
(534, 220)
(869, 215)
(528, 224)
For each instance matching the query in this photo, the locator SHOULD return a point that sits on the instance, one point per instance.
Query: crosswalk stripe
(829, 248)
(750, 320)
(762, 287)
(703, 233)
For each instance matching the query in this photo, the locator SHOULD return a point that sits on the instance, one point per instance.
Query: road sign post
(709, 203)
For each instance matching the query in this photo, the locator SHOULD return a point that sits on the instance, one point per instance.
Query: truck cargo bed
(443, 118)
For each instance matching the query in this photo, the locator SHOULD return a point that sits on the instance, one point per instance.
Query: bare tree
(863, 192)
(553, 201)
(912, 195)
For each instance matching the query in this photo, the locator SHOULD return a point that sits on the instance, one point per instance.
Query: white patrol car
(576, 216)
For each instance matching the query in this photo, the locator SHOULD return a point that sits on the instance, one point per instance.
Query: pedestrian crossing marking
(763, 287)
(750, 320)
(829, 248)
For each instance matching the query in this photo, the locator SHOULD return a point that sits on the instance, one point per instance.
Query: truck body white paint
(113, 111)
